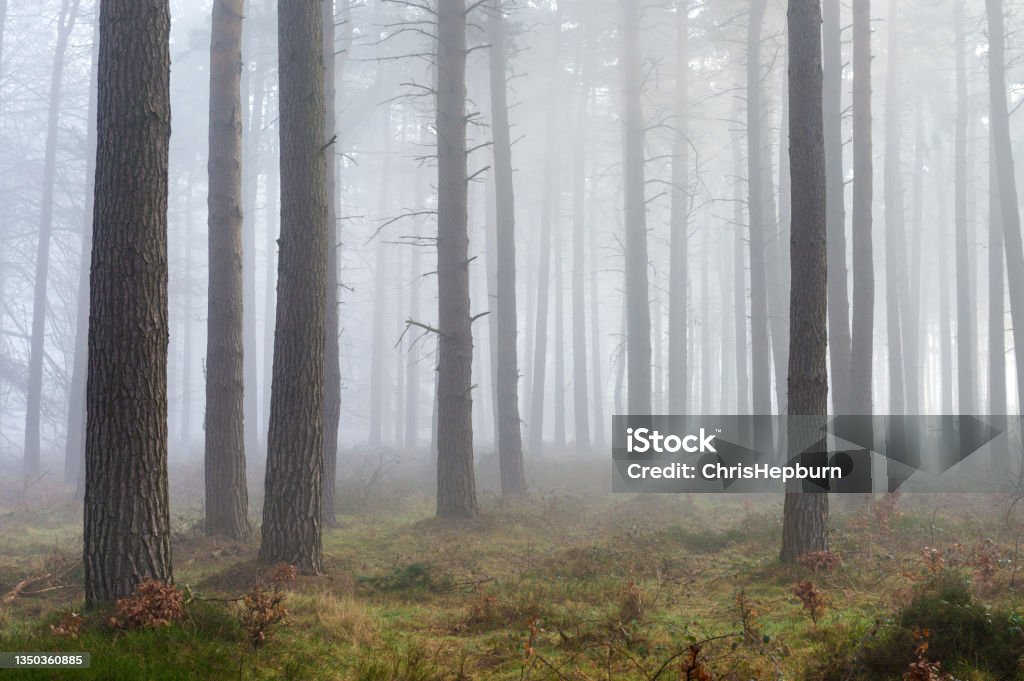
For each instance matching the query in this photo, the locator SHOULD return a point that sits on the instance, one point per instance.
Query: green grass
(564, 585)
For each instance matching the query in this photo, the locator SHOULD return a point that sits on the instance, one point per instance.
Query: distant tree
(65, 25)
(678, 379)
(127, 521)
(456, 482)
(965, 351)
(227, 500)
(510, 439)
(896, 297)
(805, 515)
(292, 519)
(638, 310)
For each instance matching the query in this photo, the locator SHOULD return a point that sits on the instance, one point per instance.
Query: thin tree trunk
(65, 25)
(912, 309)
(559, 396)
(378, 373)
(739, 270)
(945, 335)
(596, 357)
(74, 450)
(186, 320)
(838, 298)
(638, 311)
(679, 223)
(1009, 210)
(805, 515)
(292, 515)
(127, 535)
(863, 298)
(996, 297)
(332, 325)
(581, 407)
(510, 438)
(456, 484)
(964, 304)
(895, 237)
(227, 500)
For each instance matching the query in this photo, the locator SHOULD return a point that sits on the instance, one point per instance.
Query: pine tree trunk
(596, 358)
(292, 513)
(185, 423)
(581, 408)
(456, 483)
(965, 351)
(996, 297)
(945, 322)
(74, 449)
(895, 237)
(227, 500)
(838, 298)
(739, 271)
(332, 325)
(559, 396)
(127, 522)
(805, 516)
(378, 373)
(510, 438)
(638, 312)
(33, 404)
(863, 295)
(679, 223)
(912, 308)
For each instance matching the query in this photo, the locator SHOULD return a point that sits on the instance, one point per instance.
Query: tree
(127, 522)
(638, 311)
(456, 483)
(65, 24)
(332, 359)
(227, 500)
(838, 298)
(510, 438)
(581, 407)
(1009, 211)
(964, 304)
(678, 380)
(805, 515)
(292, 504)
(863, 298)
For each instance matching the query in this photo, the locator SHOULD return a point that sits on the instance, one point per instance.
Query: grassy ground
(578, 584)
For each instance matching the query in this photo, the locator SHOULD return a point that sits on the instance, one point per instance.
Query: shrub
(153, 604)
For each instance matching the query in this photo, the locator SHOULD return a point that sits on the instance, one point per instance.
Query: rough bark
(332, 325)
(863, 294)
(292, 516)
(65, 24)
(805, 516)
(678, 381)
(456, 484)
(227, 500)
(838, 296)
(1009, 211)
(638, 311)
(510, 438)
(127, 523)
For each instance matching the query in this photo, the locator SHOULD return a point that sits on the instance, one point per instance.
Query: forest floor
(574, 584)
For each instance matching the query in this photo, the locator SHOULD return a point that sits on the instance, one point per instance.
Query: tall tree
(332, 359)
(456, 482)
(581, 407)
(638, 311)
(65, 24)
(838, 296)
(227, 500)
(294, 478)
(965, 352)
(896, 298)
(74, 447)
(1009, 210)
(127, 522)
(863, 298)
(805, 515)
(510, 438)
(996, 296)
(678, 380)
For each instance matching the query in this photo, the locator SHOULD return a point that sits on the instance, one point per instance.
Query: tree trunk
(595, 345)
(378, 372)
(996, 297)
(65, 24)
(912, 306)
(510, 438)
(185, 424)
(456, 483)
(292, 515)
(332, 329)
(227, 500)
(964, 304)
(559, 396)
(838, 297)
(1009, 211)
(678, 381)
(581, 413)
(638, 311)
(127, 523)
(739, 271)
(945, 334)
(805, 516)
(895, 237)
(863, 298)
(74, 450)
